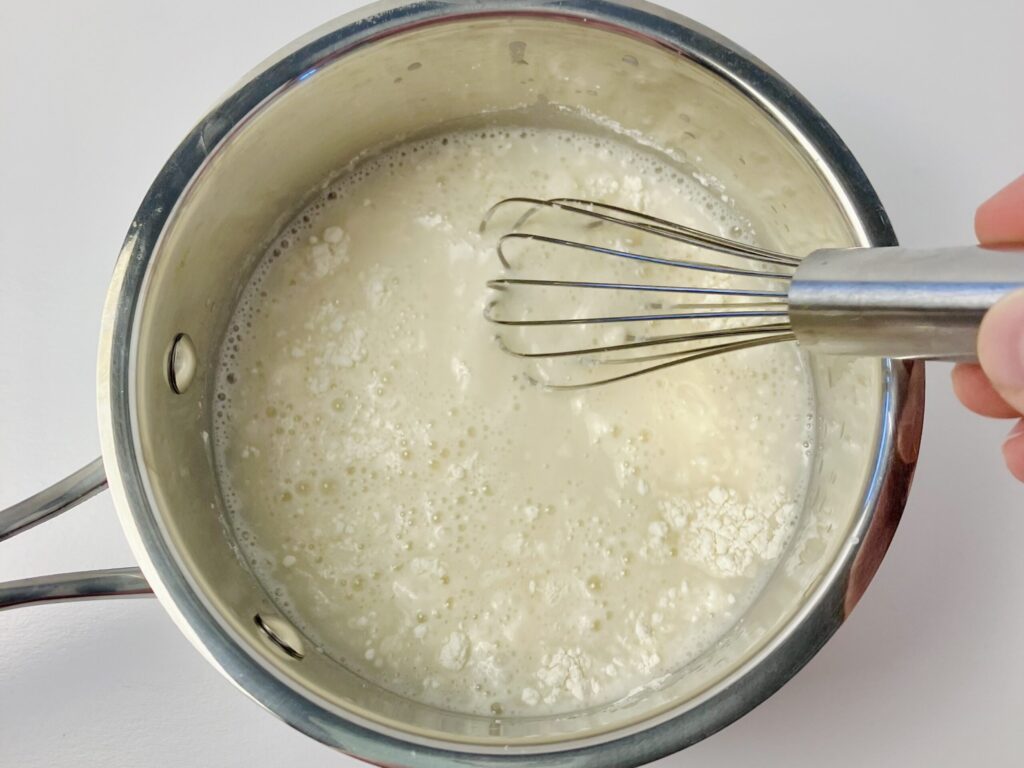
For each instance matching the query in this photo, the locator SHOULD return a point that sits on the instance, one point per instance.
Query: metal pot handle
(81, 585)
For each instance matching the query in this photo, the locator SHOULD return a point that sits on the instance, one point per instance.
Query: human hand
(996, 387)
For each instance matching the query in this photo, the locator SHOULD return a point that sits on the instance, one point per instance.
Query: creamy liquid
(438, 524)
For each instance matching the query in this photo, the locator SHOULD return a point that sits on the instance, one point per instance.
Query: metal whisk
(872, 302)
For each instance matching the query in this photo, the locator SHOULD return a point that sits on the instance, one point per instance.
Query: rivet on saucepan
(181, 363)
(280, 635)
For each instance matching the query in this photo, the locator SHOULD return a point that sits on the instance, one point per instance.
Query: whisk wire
(677, 231)
(684, 357)
(716, 313)
(502, 282)
(675, 338)
(623, 254)
(641, 222)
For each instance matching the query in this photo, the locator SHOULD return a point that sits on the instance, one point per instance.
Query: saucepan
(370, 79)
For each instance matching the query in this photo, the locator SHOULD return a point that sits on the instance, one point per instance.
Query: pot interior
(425, 79)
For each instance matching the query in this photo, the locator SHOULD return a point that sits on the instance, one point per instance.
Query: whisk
(871, 302)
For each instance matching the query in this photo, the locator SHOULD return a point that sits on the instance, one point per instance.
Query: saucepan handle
(82, 585)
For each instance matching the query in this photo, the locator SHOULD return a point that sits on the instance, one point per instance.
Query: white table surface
(94, 95)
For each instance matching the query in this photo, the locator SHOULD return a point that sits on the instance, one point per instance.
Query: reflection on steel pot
(379, 75)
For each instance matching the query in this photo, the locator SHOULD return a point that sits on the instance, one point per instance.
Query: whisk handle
(900, 302)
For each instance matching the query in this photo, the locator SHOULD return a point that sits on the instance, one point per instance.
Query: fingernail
(1001, 342)
(998, 219)
(1017, 431)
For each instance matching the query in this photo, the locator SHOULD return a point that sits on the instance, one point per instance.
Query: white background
(95, 95)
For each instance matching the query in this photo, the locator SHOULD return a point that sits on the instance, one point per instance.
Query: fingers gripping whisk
(715, 295)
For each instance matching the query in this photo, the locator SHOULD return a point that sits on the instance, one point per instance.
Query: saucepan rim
(739, 692)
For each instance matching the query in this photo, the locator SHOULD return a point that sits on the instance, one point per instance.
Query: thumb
(1001, 348)
(1001, 353)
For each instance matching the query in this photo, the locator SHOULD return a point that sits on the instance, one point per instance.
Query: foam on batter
(443, 527)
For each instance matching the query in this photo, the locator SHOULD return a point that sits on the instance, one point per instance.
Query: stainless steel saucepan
(369, 79)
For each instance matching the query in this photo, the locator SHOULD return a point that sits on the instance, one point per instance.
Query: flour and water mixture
(445, 528)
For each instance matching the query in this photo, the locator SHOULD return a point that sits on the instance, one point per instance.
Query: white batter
(448, 530)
